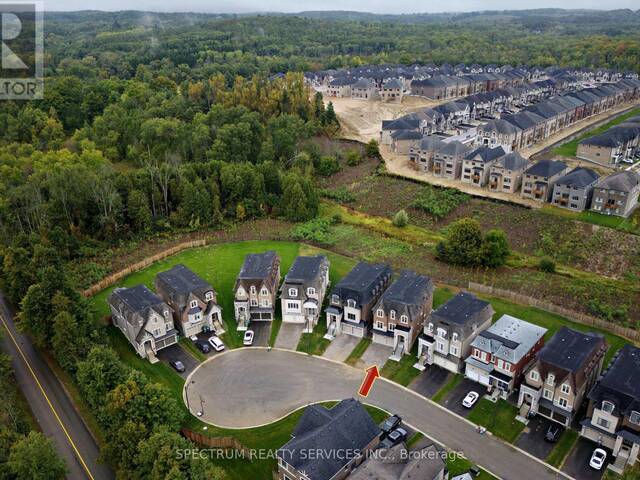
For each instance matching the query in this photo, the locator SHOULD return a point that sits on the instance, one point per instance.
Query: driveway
(289, 335)
(454, 400)
(341, 347)
(430, 381)
(261, 333)
(375, 354)
(532, 437)
(176, 352)
(275, 383)
(577, 462)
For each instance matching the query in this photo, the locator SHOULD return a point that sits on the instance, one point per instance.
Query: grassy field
(562, 448)
(219, 265)
(498, 418)
(441, 394)
(402, 372)
(628, 225)
(569, 149)
(357, 352)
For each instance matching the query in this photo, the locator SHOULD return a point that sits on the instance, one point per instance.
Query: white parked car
(247, 341)
(598, 457)
(470, 400)
(216, 343)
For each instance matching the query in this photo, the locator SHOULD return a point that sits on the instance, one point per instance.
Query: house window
(379, 325)
(392, 327)
(166, 314)
(266, 303)
(603, 422)
(254, 302)
(454, 337)
(351, 303)
(430, 328)
(565, 388)
(607, 407)
(563, 402)
(194, 303)
(156, 332)
(335, 299)
(454, 351)
(551, 378)
(440, 347)
(442, 333)
(404, 319)
(292, 305)
(264, 291)
(253, 289)
(392, 314)
(380, 313)
(634, 418)
(293, 292)
(548, 394)
(311, 291)
(208, 296)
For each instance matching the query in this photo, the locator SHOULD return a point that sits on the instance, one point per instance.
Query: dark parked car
(203, 346)
(395, 437)
(177, 365)
(553, 433)
(390, 424)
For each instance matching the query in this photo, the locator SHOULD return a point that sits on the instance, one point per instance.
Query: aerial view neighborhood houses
(329, 245)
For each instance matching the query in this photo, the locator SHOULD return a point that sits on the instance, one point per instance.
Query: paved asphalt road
(250, 387)
(51, 406)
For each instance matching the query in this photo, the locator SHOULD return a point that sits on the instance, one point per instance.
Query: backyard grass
(499, 418)
(561, 449)
(444, 391)
(569, 149)
(402, 372)
(267, 438)
(217, 264)
(358, 351)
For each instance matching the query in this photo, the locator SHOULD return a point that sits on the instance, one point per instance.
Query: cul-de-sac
(296, 241)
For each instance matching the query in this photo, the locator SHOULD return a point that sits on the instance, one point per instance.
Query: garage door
(476, 376)
(383, 339)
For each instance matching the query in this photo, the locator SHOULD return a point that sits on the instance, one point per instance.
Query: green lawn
(569, 149)
(314, 343)
(562, 448)
(191, 348)
(217, 264)
(458, 466)
(402, 372)
(629, 225)
(414, 439)
(499, 418)
(446, 388)
(268, 438)
(357, 352)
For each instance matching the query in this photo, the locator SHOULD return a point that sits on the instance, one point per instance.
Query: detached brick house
(400, 313)
(346, 428)
(616, 194)
(352, 299)
(506, 173)
(144, 319)
(564, 371)
(574, 190)
(501, 353)
(540, 178)
(613, 416)
(449, 331)
(192, 299)
(256, 288)
(303, 289)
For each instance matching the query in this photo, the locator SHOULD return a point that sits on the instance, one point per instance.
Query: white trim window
(253, 289)
(208, 296)
(264, 291)
(391, 327)
(293, 306)
(565, 388)
(430, 328)
(194, 303)
(534, 376)
(379, 325)
(454, 337)
(548, 394)
(311, 291)
(404, 319)
(634, 417)
(551, 379)
(351, 303)
(563, 402)
(254, 302)
(392, 314)
(607, 407)
(380, 313)
(293, 292)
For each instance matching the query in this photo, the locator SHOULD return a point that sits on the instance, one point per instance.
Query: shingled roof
(624, 181)
(579, 177)
(546, 168)
(407, 294)
(620, 383)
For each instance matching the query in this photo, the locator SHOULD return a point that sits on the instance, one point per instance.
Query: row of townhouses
(618, 145)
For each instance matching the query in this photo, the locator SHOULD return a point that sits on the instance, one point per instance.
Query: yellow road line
(71, 442)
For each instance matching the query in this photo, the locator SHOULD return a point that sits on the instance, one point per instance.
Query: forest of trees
(157, 123)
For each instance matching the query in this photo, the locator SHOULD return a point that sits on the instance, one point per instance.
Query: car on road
(598, 457)
(177, 365)
(203, 346)
(247, 341)
(553, 433)
(390, 424)
(216, 343)
(470, 400)
(395, 437)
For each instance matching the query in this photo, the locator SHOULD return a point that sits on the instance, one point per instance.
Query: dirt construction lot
(361, 119)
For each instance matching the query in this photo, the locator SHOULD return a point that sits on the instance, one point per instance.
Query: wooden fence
(583, 318)
(115, 277)
(223, 443)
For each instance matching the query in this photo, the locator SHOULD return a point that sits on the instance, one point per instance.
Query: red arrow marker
(369, 378)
